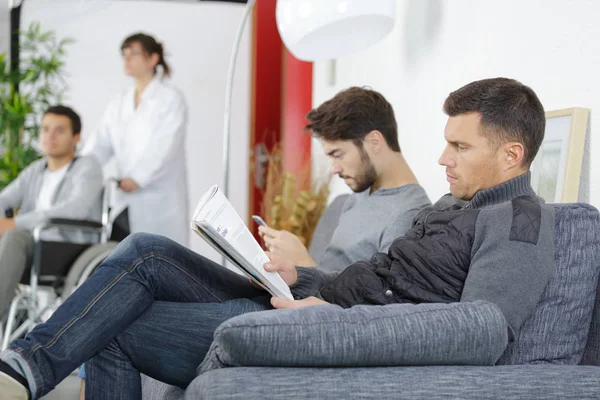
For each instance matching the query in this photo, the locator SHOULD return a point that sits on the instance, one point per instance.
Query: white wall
(439, 45)
(198, 38)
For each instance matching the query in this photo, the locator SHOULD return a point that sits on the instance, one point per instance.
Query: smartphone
(259, 221)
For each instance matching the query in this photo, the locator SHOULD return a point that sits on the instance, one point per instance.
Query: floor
(67, 390)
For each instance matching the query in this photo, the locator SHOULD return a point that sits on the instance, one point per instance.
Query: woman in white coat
(144, 129)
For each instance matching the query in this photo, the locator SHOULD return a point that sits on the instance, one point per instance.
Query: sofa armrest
(362, 336)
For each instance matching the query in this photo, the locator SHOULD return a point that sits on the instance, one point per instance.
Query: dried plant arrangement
(287, 204)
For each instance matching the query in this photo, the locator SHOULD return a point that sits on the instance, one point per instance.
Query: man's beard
(365, 178)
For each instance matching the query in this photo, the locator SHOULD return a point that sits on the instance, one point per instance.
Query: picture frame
(556, 169)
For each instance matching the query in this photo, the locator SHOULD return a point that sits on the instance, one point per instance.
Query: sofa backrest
(591, 355)
(557, 331)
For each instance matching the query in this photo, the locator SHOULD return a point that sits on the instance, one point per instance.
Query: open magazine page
(218, 219)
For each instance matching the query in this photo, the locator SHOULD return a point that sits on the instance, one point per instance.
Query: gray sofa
(451, 351)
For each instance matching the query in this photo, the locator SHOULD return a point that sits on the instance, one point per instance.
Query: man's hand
(286, 245)
(6, 224)
(128, 185)
(279, 302)
(285, 268)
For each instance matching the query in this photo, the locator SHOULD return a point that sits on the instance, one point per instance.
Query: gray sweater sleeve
(12, 195)
(511, 267)
(310, 281)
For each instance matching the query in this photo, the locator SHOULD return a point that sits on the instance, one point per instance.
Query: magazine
(217, 222)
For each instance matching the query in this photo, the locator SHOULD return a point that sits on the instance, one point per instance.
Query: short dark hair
(352, 114)
(510, 111)
(150, 46)
(69, 113)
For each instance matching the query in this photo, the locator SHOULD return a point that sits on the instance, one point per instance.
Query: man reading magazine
(366, 154)
(358, 132)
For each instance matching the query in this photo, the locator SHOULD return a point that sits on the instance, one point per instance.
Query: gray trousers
(16, 254)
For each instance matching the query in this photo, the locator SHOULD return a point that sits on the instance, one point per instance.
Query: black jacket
(427, 265)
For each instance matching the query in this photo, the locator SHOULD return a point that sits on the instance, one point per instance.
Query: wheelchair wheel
(85, 265)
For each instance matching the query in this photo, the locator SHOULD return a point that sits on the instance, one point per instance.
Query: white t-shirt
(51, 181)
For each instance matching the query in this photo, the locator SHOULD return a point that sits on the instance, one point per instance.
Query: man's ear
(76, 139)
(375, 141)
(513, 154)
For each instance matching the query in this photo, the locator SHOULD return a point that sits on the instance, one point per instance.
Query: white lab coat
(148, 144)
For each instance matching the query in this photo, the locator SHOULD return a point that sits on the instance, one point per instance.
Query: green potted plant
(25, 93)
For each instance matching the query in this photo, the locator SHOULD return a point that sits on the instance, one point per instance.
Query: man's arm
(512, 260)
(310, 281)
(303, 281)
(12, 195)
(87, 186)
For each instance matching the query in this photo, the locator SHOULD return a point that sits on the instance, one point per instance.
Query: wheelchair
(58, 268)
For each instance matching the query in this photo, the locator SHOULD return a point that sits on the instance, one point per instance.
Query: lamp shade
(323, 29)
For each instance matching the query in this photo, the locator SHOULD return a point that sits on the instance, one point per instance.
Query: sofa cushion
(557, 331)
(155, 390)
(329, 336)
(515, 382)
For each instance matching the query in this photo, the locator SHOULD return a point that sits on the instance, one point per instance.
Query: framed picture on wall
(556, 170)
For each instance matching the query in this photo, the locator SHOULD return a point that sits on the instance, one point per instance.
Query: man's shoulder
(88, 161)
(448, 202)
(525, 215)
(524, 204)
(36, 166)
(39, 163)
(410, 195)
(414, 193)
(87, 164)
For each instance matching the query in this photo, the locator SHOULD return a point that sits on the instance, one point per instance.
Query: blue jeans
(152, 306)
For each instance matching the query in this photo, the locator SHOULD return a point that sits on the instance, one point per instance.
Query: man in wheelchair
(59, 185)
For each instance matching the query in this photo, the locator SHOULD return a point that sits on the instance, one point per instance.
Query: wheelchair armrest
(70, 224)
(75, 223)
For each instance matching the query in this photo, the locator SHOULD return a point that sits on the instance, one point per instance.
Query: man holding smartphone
(358, 132)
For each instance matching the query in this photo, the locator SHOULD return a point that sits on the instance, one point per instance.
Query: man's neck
(516, 186)
(56, 163)
(396, 173)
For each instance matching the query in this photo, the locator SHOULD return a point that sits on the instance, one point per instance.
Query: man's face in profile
(472, 163)
(351, 163)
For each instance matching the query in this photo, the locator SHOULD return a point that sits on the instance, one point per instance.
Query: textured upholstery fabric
(591, 356)
(155, 390)
(526, 382)
(557, 332)
(329, 336)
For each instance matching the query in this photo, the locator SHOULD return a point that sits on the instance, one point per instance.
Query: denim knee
(146, 242)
